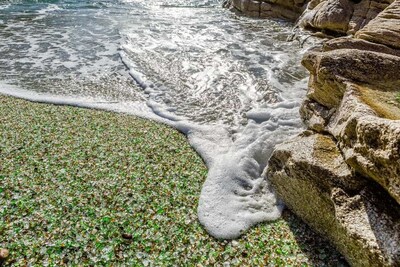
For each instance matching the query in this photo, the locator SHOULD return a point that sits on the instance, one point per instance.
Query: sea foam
(236, 194)
(232, 85)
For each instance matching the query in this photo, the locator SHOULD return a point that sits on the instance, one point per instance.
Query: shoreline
(50, 146)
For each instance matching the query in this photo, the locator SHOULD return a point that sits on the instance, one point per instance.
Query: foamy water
(232, 84)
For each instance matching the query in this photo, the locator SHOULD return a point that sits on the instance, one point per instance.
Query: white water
(233, 85)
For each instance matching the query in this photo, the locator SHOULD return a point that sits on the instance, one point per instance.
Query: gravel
(81, 187)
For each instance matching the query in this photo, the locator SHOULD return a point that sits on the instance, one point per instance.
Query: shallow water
(232, 84)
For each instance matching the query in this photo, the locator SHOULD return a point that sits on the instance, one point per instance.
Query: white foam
(4, 6)
(47, 10)
(138, 108)
(208, 75)
(236, 195)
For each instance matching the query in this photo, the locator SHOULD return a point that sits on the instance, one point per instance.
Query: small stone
(126, 236)
(4, 254)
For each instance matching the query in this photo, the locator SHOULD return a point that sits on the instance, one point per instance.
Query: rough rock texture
(316, 183)
(341, 16)
(385, 28)
(359, 44)
(364, 11)
(331, 69)
(370, 145)
(286, 9)
(342, 176)
(331, 16)
(329, 176)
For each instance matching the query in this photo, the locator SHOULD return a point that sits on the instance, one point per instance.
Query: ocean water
(232, 84)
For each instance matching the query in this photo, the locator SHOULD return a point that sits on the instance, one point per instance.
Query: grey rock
(331, 15)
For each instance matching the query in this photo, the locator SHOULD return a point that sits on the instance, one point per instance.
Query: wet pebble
(126, 236)
(4, 254)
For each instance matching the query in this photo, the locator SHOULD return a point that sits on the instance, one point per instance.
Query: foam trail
(236, 194)
(230, 84)
(136, 108)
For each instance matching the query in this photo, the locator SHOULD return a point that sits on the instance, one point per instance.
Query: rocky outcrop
(285, 9)
(333, 15)
(340, 103)
(385, 28)
(370, 144)
(342, 176)
(331, 70)
(311, 175)
(341, 17)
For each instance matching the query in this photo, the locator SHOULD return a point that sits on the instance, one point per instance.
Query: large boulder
(341, 16)
(332, 15)
(286, 9)
(331, 70)
(311, 176)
